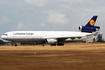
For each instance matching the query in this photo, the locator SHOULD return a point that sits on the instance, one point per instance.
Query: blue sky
(56, 15)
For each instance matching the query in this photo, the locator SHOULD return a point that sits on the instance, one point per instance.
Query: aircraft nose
(3, 37)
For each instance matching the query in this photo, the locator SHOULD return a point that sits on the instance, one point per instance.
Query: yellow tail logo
(92, 22)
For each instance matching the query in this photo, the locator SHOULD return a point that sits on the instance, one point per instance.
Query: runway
(78, 56)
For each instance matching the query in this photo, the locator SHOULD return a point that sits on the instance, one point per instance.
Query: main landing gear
(59, 44)
(53, 44)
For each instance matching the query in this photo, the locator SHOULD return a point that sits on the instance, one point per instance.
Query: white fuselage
(19, 36)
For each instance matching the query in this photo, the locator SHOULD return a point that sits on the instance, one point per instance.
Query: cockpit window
(5, 34)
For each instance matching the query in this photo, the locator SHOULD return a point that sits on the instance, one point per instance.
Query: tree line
(100, 38)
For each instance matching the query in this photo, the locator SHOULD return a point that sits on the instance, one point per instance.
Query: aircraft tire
(62, 44)
(53, 44)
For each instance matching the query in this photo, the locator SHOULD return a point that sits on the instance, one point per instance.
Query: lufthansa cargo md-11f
(53, 37)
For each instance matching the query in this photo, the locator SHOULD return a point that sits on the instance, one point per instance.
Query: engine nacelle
(51, 41)
(89, 29)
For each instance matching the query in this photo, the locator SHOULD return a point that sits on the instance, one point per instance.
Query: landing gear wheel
(53, 44)
(60, 44)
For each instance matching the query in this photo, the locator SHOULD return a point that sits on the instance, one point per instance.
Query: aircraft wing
(91, 35)
(62, 37)
(72, 38)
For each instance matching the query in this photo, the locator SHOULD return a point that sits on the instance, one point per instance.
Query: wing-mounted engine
(89, 29)
(51, 41)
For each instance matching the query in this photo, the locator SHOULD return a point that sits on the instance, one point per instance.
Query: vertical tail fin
(92, 21)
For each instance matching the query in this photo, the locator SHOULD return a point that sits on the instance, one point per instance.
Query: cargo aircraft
(53, 37)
